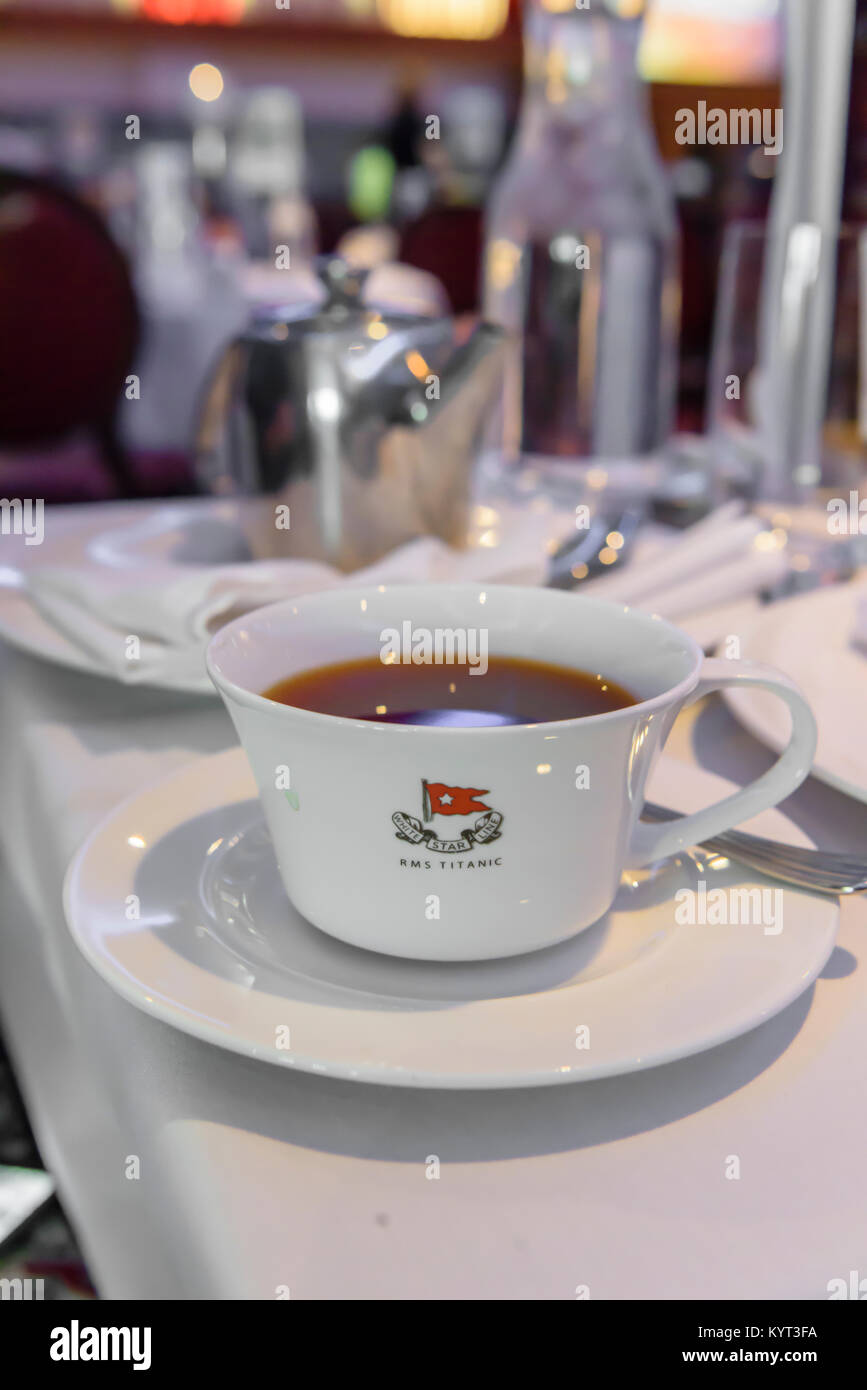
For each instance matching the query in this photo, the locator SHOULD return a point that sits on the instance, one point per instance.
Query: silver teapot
(353, 426)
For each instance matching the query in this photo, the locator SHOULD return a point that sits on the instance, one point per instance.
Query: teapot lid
(341, 296)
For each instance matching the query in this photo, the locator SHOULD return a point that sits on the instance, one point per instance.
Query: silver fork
(824, 871)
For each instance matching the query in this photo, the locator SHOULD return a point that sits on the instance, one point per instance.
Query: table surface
(253, 1181)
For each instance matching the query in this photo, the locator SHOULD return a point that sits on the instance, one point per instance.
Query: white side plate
(810, 638)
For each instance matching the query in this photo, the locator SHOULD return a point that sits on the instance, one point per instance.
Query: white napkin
(726, 557)
(150, 623)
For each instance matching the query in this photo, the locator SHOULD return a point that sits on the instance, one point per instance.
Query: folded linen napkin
(726, 557)
(150, 623)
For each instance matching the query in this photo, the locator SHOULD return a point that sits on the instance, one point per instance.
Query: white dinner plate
(176, 901)
(810, 638)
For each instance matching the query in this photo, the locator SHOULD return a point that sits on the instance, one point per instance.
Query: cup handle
(650, 842)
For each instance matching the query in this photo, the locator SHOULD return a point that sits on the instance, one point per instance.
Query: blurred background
(202, 134)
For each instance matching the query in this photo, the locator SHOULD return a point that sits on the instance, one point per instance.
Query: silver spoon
(824, 871)
(583, 552)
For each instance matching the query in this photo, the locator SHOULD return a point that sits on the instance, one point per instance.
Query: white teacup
(359, 852)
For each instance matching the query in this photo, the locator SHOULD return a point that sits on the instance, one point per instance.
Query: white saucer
(112, 535)
(810, 639)
(218, 952)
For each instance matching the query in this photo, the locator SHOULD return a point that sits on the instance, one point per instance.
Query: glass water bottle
(581, 246)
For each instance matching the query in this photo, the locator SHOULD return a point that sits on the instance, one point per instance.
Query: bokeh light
(206, 82)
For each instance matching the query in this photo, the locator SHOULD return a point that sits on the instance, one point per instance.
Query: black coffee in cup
(510, 691)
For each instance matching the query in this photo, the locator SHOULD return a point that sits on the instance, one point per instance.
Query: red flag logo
(454, 801)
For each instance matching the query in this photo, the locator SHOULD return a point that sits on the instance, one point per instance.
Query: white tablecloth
(255, 1179)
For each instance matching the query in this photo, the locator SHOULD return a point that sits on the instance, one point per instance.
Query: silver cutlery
(823, 871)
(590, 553)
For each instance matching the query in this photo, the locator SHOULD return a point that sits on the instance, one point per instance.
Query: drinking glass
(762, 441)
